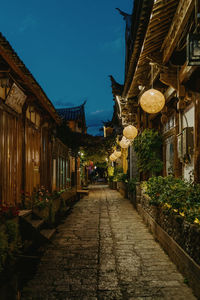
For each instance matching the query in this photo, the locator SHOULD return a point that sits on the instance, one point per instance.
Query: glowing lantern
(124, 143)
(130, 132)
(152, 101)
(117, 153)
(112, 157)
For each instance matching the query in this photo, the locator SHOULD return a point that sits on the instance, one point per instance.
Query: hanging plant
(148, 147)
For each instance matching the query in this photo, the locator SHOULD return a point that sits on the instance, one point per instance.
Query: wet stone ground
(104, 251)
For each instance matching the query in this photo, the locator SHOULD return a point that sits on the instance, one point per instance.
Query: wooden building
(28, 119)
(161, 53)
(74, 117)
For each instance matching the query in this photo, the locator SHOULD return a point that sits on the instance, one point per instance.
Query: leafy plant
(3, 249)
(12, 231)
(147, 146)
(8, 211)
(175, 195)
(110, 178)
(118, 171)
(110, 171)
(9, 242)
(41, 198)
(132, 185)
(122, 177)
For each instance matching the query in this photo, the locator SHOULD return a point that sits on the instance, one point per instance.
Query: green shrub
(122, 177)
(176, 195)
(12, 231)
(148, 147)
(3, 249)
(9, 242)
(110, 178)
(132, 185)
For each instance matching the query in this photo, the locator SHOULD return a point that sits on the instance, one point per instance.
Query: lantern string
(151, 64)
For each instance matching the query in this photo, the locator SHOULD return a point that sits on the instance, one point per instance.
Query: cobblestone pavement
(104, 251)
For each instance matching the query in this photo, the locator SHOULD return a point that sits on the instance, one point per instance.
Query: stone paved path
(104, 251)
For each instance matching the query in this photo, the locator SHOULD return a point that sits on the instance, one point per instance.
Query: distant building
(74, 117)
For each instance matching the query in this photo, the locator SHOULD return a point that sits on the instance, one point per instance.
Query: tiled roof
(72, 113)
(117, 88)
(13, 60)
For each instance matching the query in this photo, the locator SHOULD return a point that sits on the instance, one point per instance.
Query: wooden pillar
(196, 99)
(23, 183)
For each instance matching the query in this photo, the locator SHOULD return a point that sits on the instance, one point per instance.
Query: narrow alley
(103, 250)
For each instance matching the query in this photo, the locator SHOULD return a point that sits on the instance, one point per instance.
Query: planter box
(178, 238)
(69, 195)
(44, 212)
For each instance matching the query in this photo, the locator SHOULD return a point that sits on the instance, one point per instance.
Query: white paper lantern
(130, 132)
(124, 143)
(152, 101)
(117, 153)
(112, 157)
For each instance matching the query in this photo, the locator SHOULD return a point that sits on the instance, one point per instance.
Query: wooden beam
(183, 12)
(169, 93)
(169, 79)
(185, 72)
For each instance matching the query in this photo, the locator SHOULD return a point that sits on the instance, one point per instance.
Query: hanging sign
(16, 98)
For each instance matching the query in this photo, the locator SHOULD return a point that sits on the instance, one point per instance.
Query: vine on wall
(148, 147)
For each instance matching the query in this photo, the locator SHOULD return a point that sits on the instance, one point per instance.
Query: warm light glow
(117, 153)
(112, 157)
(152, 101)
(124, 143)
(130, 132)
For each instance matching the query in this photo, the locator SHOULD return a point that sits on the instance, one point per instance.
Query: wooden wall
(10, 157)
(28, 157)
(32, 152)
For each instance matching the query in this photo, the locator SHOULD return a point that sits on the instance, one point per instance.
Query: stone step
(34, 221)
(47, 233)
(25, 212)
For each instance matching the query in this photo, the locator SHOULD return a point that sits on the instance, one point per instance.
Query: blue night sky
(71, 47)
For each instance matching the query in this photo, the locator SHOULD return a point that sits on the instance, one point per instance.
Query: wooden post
(23, 183)
(196, 97)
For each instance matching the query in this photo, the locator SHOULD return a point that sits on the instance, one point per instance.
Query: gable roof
(72, 113)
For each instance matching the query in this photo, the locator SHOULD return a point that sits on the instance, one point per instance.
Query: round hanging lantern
(152, 101)
(117, 153)
(124, 143)
(130, 132)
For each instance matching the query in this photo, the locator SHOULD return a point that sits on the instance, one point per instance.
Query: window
(171, 123)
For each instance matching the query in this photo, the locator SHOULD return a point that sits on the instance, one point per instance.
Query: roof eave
(10, 56)
(141, 15)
